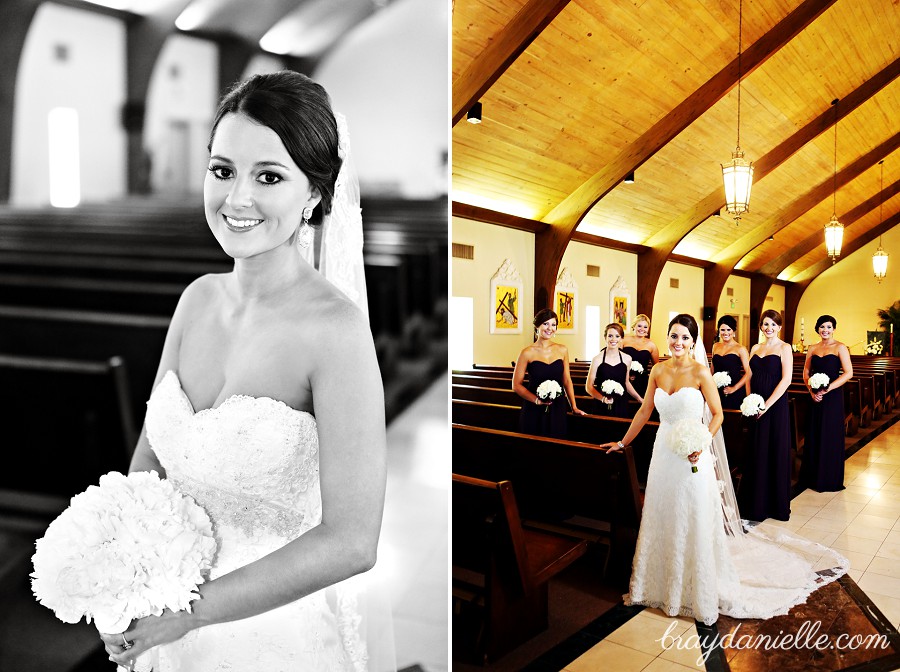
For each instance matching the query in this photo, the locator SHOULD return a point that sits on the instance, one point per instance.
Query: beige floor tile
(837, 514)
(878, 583)
(610, 656)
(855, 529)
(646, 633)
(893, 537)
(845, 505)
(889, 606)
(858, 561)
(891, 510)
(884, 566)
(663, 665)
(888, 459)
(859, 495)
(846, 542)
(854, 574)
(686, 651)
(887, 550)
(874, 521)
(885, 498)
(826, 524)
(870, 480)
(808, 510)
(824, 537)
(813, 497)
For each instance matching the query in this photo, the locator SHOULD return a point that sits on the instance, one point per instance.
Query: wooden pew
(566, 486)
(502, 567)
(65, 422)
(84, 335)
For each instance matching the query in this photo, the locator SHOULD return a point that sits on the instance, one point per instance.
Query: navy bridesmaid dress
(545, 420)
(619, 373)
(639, 380)
(765, 490)
(823, 449)
(731, 364)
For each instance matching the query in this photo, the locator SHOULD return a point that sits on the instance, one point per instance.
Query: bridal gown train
(253, 465)
(686, 564)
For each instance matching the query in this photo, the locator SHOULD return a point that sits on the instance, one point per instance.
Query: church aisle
(862, 522)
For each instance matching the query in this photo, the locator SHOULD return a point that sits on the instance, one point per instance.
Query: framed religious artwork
(506, 299)
(620, 303)
(566, 303)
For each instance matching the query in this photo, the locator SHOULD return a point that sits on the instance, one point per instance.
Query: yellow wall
(687, 298)
(737, 305)
(850, 293)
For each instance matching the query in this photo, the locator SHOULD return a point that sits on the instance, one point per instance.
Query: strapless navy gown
(639, 380)
(823, 449)
(619, 373)
(765, 490)
(731, 364)
(545, 420)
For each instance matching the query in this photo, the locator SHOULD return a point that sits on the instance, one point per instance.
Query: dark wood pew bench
(564, 486)
(502, 568)
(65, 422)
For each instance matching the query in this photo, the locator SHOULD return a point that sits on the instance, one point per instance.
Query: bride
(267, 407)
(693, 555)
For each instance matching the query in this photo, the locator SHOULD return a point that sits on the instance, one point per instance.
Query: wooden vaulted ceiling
(577, 94)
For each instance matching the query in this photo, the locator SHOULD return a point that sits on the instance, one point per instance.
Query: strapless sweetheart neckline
(228, 400)
(696, 389)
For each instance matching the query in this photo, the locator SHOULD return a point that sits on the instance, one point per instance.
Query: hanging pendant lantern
(880, 258)
(738, 173)
(834, 230)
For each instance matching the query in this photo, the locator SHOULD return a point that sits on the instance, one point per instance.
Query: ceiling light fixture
(629, 179)
(738, 174)
(834, 230)
(880, 258)
(473, 116)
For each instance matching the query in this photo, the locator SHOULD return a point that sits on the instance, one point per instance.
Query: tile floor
(862, 522)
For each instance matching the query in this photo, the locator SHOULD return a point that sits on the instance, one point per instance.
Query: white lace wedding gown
(253, 465)
(685, 563)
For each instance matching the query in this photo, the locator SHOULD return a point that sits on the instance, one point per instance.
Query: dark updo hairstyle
(826, 318)
(773, 315)
(542, 316)
(617, 327)
(299, 112)
(687, 322)
(727, 320)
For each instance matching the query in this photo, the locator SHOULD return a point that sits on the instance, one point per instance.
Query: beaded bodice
(251, 462)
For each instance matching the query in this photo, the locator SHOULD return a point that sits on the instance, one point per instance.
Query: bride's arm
(711, 394)
(352, 470)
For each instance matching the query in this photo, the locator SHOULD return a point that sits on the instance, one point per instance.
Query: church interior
(105, 114)
(596, 149)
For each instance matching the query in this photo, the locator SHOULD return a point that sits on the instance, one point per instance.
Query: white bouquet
(611, 387)
(818, 381)
(689, 436)
(128, 548)
(752, 405)
(721, 379)
(549, 390)
(636, 366)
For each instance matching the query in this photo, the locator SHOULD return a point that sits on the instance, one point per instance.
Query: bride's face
(680, 341)
(254, 193)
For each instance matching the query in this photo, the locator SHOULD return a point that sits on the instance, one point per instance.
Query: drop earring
(305, 233)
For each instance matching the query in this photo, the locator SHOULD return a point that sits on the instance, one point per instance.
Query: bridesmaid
(641, 349)
(611, 364)
(731, 357)
(823, 450)
(765, 490)
(544, 360)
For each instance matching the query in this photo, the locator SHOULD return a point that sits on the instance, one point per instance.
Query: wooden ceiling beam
(501, 52)
(478, 214)
(813, 240)
(572, 210)
(736, 250)
(663, 242)
(813, 272)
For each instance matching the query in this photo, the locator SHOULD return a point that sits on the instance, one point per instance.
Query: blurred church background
(105, 109)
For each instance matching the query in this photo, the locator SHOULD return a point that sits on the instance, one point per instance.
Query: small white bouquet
(721, 379)
(636, 366)
(819, 381)
(128, 548)
(611, 387)
(549, 390)
(689, 436)
(752, 405)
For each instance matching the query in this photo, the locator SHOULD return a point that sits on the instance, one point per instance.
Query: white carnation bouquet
(611, 387)
(636, 366)
(819, 381)
(549, 390)
(689, 436)
(721, 379)
(128, 548)
(752, 405)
